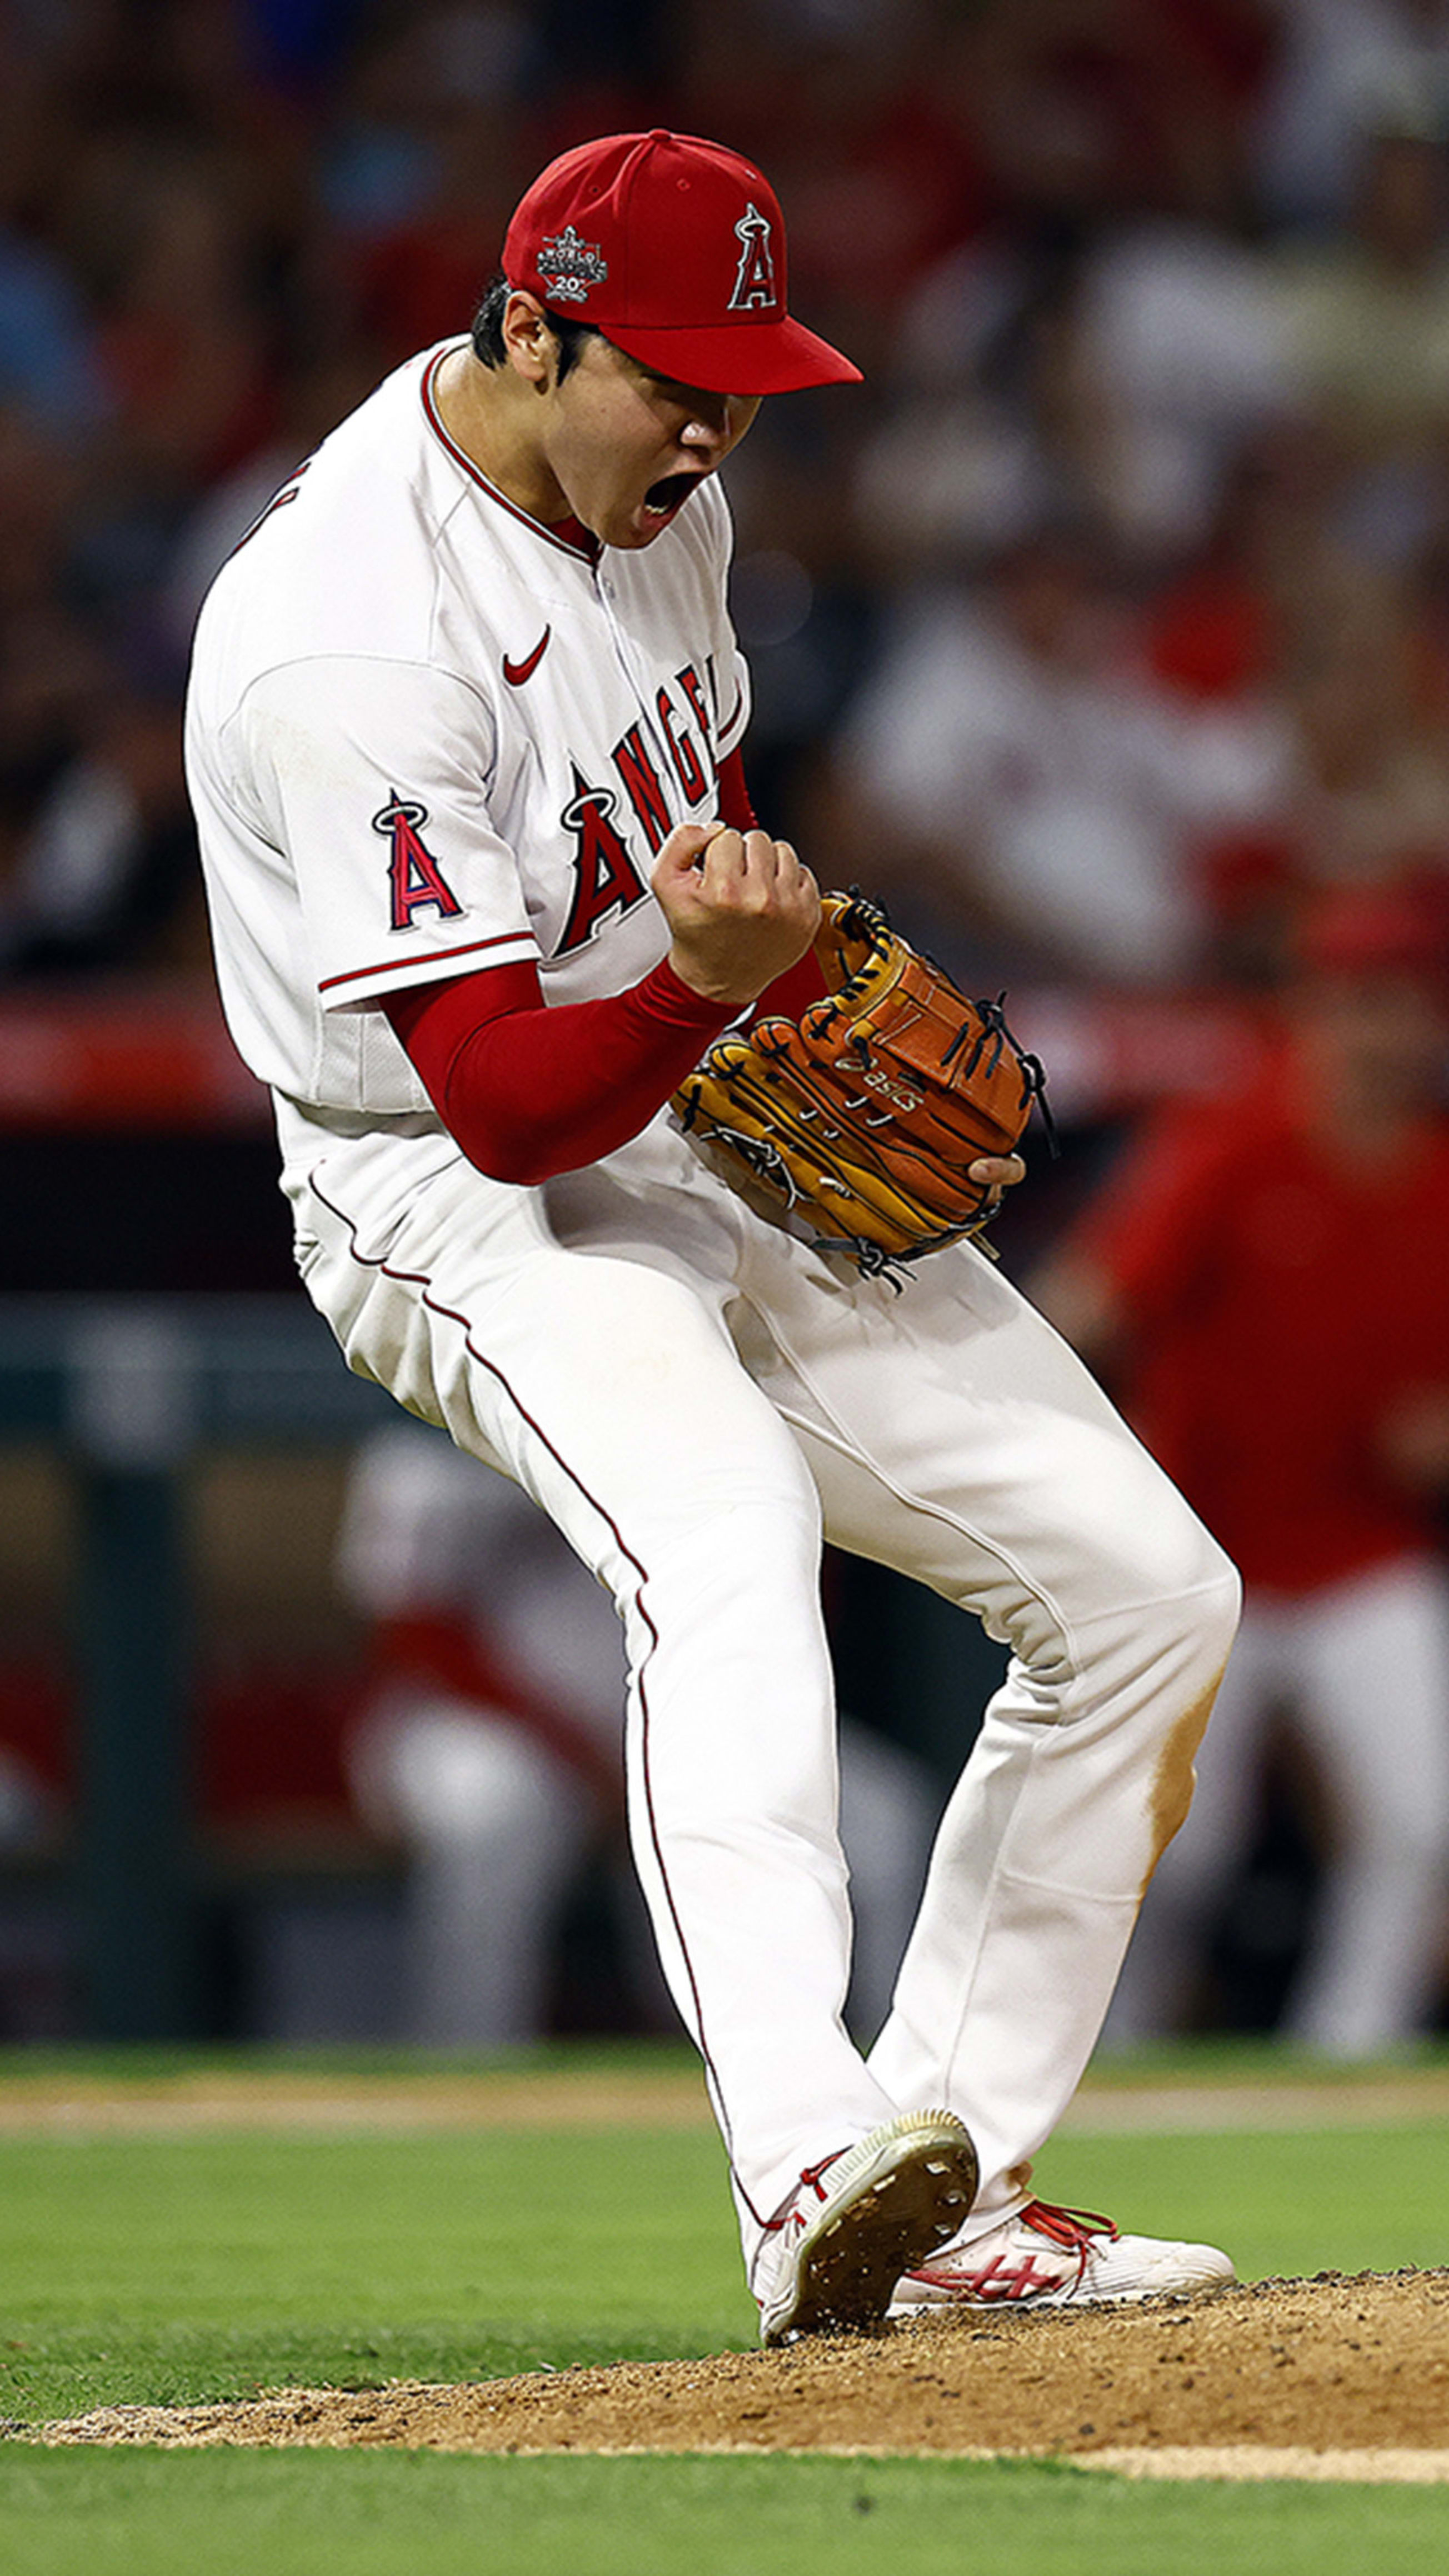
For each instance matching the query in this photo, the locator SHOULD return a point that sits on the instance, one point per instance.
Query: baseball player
(464, 741)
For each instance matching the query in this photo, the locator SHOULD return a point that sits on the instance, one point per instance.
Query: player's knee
(1216, 1606)
(1190, 1636)
(1201, 1625)
(1192, 1594)
(1173, 1605)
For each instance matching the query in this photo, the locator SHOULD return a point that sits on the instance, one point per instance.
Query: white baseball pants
(694, 1397)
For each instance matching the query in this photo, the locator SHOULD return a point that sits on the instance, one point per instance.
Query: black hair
(487, 332)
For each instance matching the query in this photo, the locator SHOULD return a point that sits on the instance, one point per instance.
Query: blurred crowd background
(1104, 631)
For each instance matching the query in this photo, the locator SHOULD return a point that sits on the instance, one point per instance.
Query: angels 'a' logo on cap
(755, 283)
(569, 266)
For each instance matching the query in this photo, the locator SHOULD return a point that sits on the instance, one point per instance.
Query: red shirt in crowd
(1281, 1303)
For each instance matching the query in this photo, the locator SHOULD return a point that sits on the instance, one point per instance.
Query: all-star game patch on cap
(674, 248)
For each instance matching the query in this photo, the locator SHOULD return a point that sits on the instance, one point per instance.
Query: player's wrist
(670, 991)
(727, 994)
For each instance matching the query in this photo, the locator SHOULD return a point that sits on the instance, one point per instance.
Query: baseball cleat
(832, 2259)
(1045, 2257)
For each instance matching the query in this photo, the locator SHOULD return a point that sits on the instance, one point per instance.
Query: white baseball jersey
(426, 735)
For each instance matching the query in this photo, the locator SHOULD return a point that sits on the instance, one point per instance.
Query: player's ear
(528, 342)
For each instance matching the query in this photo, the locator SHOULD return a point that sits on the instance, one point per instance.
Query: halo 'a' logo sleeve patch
(416, 881)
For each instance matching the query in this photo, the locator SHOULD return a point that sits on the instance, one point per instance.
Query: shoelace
(811, 2176)
(1071, 2229)
(1066, 2227)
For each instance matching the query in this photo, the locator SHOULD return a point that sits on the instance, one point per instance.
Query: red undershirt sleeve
(792, 992)
(529, 1091)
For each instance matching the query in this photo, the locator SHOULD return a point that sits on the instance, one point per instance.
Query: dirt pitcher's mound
(1333, 2369)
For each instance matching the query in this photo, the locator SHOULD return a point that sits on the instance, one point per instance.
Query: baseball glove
(862, 1118)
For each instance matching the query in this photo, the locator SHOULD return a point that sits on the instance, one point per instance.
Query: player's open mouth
(668, 493)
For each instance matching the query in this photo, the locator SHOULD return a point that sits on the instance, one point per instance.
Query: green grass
(137, 2268)
(165, 2269)
(391, 2514)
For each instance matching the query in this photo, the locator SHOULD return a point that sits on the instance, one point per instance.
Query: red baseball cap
(675, 249)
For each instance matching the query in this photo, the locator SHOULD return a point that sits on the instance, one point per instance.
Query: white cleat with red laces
(1043, 2257)
(831, 2260)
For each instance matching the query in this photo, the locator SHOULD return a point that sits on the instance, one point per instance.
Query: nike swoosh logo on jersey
(515, 673)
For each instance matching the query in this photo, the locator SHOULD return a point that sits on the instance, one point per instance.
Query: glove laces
(995, 1033)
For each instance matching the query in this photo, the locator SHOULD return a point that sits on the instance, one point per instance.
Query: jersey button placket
(659, 748)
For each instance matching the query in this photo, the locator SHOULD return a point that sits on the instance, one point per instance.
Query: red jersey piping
(434, 957)
(461, 457)
(422, 1281)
